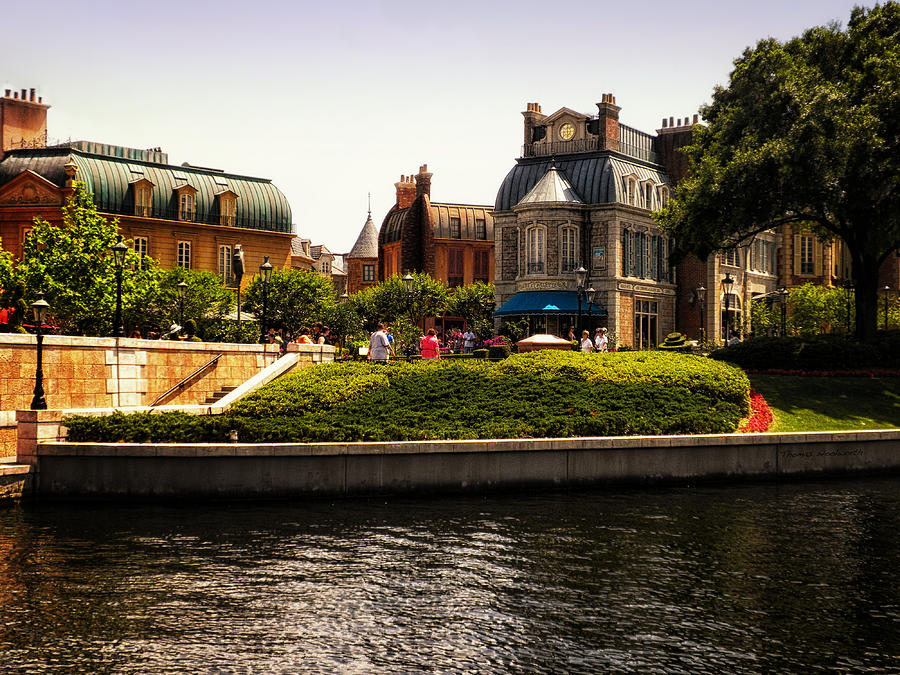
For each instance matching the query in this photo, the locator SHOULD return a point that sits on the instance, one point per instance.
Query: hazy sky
(335, 100)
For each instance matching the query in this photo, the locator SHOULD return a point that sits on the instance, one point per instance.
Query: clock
(566, 131)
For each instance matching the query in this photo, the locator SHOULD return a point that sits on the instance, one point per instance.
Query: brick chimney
(423, 182)
(533, 118)
(23, 121)
(608, 118)
(406, 192)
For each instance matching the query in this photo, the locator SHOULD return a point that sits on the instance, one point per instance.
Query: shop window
(646, 324)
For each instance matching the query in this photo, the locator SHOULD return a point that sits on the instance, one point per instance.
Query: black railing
(579, 145)
(183, 383)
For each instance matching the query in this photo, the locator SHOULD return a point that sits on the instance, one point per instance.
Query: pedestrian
(429, 346)
(468, 341)
(324, 337)
(304, 338)
(380, 348)
(586, 344)
(571, 337)
(601, 341)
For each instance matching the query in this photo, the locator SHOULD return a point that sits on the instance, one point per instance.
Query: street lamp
(265, 271)
(886, 290)
(848, 286)
(39, 307)
(783, 293)
(407, 280)
(589, 295)
(701, 300)
(119, 250)
(182, 287)
(580, 279)
(237, 269)
(727, 284)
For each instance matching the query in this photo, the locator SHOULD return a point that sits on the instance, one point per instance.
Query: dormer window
(227, 201)
(142, 190)
(185, 200)
(647, 194)
(663, 196)
(631, 190)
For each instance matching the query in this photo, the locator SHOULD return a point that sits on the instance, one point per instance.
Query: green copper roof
(259, 206)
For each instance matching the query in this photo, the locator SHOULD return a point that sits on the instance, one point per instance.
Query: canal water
(798, 578)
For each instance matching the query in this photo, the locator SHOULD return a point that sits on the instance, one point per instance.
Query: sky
(333, 101)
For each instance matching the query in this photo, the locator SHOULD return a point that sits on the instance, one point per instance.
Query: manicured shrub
(676, 342)
(818, 353)
(540, 394)
(498, 352)
(480, 353)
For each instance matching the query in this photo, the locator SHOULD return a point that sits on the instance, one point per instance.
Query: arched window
(535, 238)
(568, 248)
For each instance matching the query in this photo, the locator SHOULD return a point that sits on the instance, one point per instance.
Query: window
(186, 206)
(142, 248)
(184, 255)
(730, 257)
(225, 265)
(535, 244)
(631, 194)
(482, 266)
(807, 256)
(663, 197)
(568, 248)
(454, 267)
(143, 200)
(227, 210)
(454, 227)
(645, 324)
(368, 272)
(480, 229)
(648, 195)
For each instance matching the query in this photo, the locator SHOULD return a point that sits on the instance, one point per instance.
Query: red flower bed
(760, 415)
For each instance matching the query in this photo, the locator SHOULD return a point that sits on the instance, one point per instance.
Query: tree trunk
(865, 272)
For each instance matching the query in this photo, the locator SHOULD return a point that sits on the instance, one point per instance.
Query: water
(737, 579)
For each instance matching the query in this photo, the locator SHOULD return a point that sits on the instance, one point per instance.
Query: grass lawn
(830, 403)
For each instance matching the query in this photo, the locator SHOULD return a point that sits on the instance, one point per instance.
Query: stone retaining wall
(83, 372)
(79, 470)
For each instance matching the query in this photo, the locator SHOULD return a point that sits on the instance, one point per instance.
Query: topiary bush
(676, 342)
(546, 393)
(498, 352)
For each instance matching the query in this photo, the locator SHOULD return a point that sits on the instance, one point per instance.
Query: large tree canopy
(807, 131)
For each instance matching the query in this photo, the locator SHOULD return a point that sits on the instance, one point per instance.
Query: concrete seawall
(92, 470)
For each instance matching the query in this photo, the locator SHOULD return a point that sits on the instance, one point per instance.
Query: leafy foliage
(815, 353)
(540, 394)
(805, 133)
(475, 303)
(295, 298)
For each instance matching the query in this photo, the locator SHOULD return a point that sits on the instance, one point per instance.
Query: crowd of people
(428, 346)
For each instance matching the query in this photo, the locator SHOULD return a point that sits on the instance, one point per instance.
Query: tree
(475, 303)
(73, 265)
(295, 298)
(806, 132)
(389, 302)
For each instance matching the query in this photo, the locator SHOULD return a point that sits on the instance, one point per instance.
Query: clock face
(566, 132)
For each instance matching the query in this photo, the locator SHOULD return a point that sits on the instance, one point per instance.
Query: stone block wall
(83, 372)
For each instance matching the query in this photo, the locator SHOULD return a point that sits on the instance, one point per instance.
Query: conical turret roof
(366, 245)
(552, 187)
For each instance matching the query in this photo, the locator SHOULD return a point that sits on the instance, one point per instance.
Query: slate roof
(552, 187)
(441, 213)
(109, 171)
(596, 178)
(366, 245)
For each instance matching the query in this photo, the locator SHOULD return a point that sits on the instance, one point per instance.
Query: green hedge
(539, 394)
(818, 353)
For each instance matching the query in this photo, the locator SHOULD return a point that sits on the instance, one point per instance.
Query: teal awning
(546, 302)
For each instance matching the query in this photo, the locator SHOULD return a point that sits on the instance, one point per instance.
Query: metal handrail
(181, 384)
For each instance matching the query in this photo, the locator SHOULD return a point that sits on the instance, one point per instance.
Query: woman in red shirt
(429, 346)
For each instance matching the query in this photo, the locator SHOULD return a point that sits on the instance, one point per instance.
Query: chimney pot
(665, 123)
(671, 121)
(696, 119)
(24, 94)
(16, 95)
(31, 94)
(8, 93)
(40, 99)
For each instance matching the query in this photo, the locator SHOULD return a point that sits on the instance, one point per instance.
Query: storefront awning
(529, 303)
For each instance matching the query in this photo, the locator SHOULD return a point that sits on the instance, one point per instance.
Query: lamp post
(727, 284)
(119, 250)
(886, 290)
(848, 286)
(182, 287)
(265, 271)
(589, 295)
(39, 307)
(783, 293)
(237, 269)
(408, 294)
(701, 300)
(580, 279)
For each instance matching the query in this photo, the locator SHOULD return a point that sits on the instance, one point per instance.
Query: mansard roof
(441, 214)
(597, 178)
(109, 171)
(552, 187)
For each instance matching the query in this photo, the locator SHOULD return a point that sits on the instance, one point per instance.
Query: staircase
(222, 393)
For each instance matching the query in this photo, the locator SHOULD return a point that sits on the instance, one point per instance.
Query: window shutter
(797, 254)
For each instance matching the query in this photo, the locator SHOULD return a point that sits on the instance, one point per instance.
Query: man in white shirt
(468, 341)
(380, 349)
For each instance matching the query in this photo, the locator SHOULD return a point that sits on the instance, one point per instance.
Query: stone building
(184, 215)
(361, 263)
(581, 195)
(454, 243)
